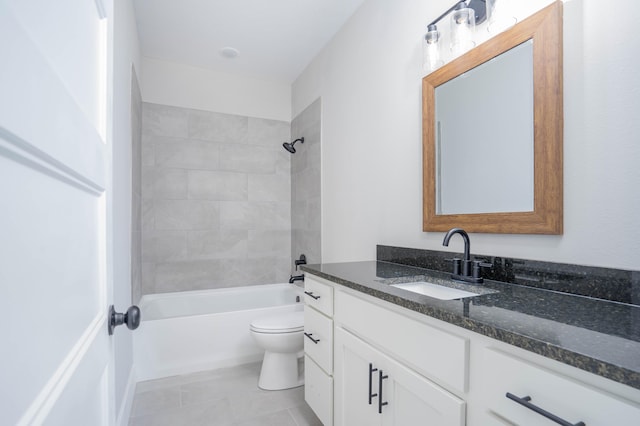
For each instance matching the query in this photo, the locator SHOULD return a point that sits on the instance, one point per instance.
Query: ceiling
(276, 39)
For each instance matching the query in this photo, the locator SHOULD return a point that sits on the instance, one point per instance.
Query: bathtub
(191, 331)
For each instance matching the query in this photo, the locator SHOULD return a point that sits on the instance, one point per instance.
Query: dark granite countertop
(595, 335)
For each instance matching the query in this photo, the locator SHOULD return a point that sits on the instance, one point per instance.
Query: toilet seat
(290, 322)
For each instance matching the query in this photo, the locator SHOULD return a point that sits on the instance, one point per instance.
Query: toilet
(281, 337)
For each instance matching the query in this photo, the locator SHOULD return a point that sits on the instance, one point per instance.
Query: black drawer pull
(381, 377)
(312, 339)
(525, 402)
(310, 293)
(371, 371)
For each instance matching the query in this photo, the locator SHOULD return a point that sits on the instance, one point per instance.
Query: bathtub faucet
(295, 278)
(301, 261)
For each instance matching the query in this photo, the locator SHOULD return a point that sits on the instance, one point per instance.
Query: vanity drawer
(320, 329)
(318, 391)
(559, 395)
(432, 352)
(318, 295)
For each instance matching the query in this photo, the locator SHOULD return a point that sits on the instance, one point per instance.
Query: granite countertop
(599, 336)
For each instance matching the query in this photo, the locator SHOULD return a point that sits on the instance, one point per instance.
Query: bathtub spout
(295, 278)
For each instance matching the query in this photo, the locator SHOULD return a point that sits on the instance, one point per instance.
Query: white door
(55, 352)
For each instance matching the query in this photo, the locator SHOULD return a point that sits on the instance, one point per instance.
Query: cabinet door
(409, 399)
(414, 400)
(351, 381)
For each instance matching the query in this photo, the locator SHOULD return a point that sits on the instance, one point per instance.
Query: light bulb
(431, 50)
(463, 25)
(499, 16)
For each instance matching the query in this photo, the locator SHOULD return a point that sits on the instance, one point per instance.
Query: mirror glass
(484, 136)
(492, 133)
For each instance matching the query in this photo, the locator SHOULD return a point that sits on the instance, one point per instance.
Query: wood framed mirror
(541, 210)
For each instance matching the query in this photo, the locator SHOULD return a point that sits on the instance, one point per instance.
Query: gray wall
(136, 189)
(216, 192)
(306, 185)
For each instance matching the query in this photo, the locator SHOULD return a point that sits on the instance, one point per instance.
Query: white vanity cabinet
(548, 390)
(318, 347)
(386, 365)
(379, 365)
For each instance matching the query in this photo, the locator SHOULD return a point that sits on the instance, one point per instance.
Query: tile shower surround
(216, 200)
(305, 185)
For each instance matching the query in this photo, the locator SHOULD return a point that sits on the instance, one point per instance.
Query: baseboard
(127, 401)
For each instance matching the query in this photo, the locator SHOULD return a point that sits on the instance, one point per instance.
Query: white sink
(434, 290)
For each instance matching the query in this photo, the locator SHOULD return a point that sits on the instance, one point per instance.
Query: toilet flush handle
(131, 318)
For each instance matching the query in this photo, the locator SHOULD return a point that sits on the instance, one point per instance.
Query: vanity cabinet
(387, 365)
(372, 388)
(318, 348)
(431, 351)
(549, 390)
(384, 375)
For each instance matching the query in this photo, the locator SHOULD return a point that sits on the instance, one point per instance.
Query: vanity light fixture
(465, 16)
(463, 25)
(431, 50)
(500, 15)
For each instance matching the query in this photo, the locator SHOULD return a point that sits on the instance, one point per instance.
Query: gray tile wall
(306, 185)
(216, 200)
(136, 190)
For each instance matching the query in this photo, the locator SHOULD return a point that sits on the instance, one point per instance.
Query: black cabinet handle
(312, 339)
(525, 402)
(381, 377)
(371, 371)
(310, 293)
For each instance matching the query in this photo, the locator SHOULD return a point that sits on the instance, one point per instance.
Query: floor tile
(258, 402)
(218, 387)
(148, 402)
(214, 413)
(223, 397)
(279, 418)
(304, 416)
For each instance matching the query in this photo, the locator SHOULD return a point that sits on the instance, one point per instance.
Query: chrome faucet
(471, 271)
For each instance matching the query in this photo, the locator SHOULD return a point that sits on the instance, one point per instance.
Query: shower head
(289, 146)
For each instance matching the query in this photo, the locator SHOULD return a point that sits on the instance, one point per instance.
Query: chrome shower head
(289, 146)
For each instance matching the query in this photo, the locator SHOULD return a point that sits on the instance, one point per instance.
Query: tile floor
(225, 397)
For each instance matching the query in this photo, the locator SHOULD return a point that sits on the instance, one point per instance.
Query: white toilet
(281, 336)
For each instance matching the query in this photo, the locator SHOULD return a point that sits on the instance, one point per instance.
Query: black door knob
(131, 318)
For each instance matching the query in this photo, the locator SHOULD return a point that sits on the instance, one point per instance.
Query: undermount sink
(434, 290)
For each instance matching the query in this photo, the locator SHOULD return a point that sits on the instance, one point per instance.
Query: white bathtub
(185, 332)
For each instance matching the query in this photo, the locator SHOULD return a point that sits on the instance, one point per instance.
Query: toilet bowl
(281, 337)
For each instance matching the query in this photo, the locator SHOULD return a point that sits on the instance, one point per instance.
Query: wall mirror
(492, 133)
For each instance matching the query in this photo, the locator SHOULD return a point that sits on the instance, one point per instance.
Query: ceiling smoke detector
(229, 52)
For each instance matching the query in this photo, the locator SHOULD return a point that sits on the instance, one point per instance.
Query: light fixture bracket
(478, 6)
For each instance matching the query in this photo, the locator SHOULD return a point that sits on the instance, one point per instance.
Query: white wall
(369, 77)
(125, 52)
(169, 83)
